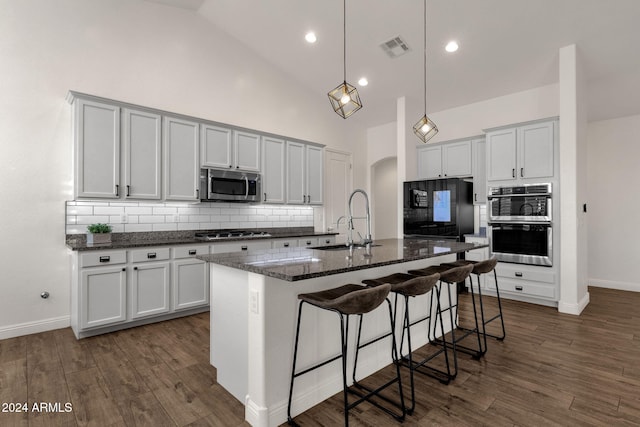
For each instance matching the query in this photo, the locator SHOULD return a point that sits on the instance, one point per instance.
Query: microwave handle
(246, 187)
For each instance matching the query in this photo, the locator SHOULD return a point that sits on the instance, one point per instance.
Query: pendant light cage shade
(425, 129)
(345, 100)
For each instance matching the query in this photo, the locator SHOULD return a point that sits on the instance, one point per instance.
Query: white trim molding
(29, 328)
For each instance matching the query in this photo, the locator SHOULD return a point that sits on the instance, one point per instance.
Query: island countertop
(293, 264)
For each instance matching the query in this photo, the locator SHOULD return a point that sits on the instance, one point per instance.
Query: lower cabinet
(102, 296)
(523, 280)
(190, 284)
(121, 288)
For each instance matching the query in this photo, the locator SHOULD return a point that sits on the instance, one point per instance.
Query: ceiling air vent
(395, 47)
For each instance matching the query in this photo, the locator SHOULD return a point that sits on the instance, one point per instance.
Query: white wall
(385, 197)
(137, 52)
(613, 203)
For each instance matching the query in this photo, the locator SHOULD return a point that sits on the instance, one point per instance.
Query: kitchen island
(254, 308)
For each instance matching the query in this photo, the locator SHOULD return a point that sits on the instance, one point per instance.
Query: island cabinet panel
(142, 137)
(97, 149)
(181, 160)
(103, 296)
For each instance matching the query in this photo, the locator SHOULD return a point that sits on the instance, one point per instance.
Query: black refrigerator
(438, 208)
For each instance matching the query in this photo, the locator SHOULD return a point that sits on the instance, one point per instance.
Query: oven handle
(520, 223)
(502, 196)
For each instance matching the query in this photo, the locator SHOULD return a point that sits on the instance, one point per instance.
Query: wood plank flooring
(552, 370)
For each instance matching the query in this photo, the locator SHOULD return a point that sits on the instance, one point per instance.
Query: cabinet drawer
(239, 246)
(326, 240)
(92, 259)
(285, 243)
(151, 254)
(190, 251)
(525, 273)
(520, 287)
(308, 242)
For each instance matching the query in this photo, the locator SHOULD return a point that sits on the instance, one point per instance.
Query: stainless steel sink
(342, 247)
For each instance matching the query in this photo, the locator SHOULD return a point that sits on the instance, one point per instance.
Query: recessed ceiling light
(451, 47)
(310, 37)
(363, 81)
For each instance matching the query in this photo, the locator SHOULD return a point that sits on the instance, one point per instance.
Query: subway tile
(150, 219)
(91, 219)
(131, 228)
(79, 210)
(138, 210)
(199, 218)
(108, 210)
(165, 210)
(164, 227)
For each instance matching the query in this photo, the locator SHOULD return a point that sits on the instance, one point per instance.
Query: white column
(401, 142)
(572, 148)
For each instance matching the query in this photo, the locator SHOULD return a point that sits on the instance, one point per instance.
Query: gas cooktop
(231, 234)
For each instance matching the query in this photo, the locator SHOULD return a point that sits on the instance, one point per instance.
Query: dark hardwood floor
(552, 369)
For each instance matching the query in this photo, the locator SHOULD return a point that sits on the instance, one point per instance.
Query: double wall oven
(520, 223)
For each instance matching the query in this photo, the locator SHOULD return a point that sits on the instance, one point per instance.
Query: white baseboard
(576, 309)
(610, 284)
(29, 328)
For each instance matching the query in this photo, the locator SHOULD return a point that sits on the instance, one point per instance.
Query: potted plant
(98, 233)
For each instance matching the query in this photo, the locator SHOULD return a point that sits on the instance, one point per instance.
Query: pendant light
(425, 129)
(345, 99)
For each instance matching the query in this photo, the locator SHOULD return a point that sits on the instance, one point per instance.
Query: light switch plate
(253, 301)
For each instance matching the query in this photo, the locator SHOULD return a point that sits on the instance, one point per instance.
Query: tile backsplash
(146, 216)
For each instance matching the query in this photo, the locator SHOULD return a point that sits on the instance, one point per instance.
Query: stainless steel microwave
(219, 185)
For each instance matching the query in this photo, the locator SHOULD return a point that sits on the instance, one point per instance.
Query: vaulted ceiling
(506, 46)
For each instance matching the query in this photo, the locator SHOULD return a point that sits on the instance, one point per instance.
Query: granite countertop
(292, 264)
(78, 242)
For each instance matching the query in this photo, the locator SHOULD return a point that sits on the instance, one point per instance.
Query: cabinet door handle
(327, 241)
(518, 274)
(117, 190)
(128, 190)
(151, 255)
(308, 242)
(192, 251)
(135, 268)
(124, 269)
(513, 173)
(265, 197)
(522, 172)
(105, 258)
(244, 248)
(518, 288)
(197, 193)
(286, 245)
(475, 197)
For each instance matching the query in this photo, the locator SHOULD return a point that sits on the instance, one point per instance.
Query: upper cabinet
(304, 173)
(142, 138)
(478, 147)
(273, 170)
(97, 149)
(447, 160)
(228, 149)
(524, 152)
(181, 160)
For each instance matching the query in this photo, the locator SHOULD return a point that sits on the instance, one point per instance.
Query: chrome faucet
(367, 238)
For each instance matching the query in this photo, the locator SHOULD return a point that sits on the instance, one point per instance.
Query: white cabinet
(448, 160)
(100, 290)
(97, 149)
(115, 289)
(273, 170)
(479, 171)
(229, 149)
(142, 137)
(285, 243)
(216, 146)
(516, 280)
(326, 240)
(304, 173)
(240, 246)
(150, 283)
(190, 283)
(521, 152)
(181, 165)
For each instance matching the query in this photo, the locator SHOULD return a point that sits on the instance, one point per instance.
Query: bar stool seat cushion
(447, 274)
(348, 299)
(406, 284)
(479, 267)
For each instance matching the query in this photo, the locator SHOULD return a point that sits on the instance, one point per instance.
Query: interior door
(338, 186)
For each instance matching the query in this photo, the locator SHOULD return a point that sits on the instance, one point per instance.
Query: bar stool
(349, 300)
(451, 276)
(484, 267)
(407, 285)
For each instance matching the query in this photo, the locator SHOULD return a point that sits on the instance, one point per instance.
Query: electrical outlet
(123, 219)
(253, 301)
